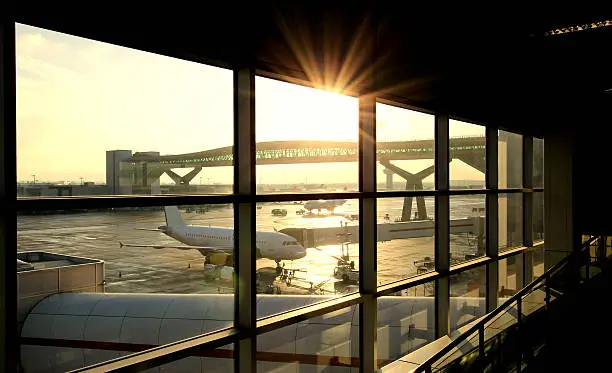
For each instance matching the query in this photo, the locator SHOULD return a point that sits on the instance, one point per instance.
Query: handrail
(427, 364)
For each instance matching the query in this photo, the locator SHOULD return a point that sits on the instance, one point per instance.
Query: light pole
(81, 177)
(34, 176)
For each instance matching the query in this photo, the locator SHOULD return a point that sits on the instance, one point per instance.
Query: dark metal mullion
(274, 322)
(244, 219)
(367, 234)
(492, 218)
(396, 286)
(8, 177)
(528, 208)
(368, 308)
(442, 231)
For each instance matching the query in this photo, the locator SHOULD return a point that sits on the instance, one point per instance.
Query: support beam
(559, 233)
(183, 180)
(442, 232)
(368, 323)
(492, 218)
(528, 238)
(9, 354)
(528, 196)
(244, 218)
(174, 176)
(191, 175)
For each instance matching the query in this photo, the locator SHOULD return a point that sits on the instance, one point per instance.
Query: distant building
(54, 190)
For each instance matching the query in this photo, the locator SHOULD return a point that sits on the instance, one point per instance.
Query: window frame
(244, 199)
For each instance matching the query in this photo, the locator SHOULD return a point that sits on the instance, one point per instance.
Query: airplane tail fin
(173, 217)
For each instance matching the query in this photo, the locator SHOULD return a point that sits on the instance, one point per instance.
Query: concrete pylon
(174, 176)
(389, 175)
(413, 182)
(184, 180)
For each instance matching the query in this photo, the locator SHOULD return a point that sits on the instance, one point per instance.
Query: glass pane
(538, 216)
(306, 139)
(85, 353)
(405, 322)
(467, 291)
(405, 238)
(185, 253)
(509, 160)
(404, 149)
(220, 360)
(510, 233)
(325, 343)
(538, 163)
(467, 227)
(538, 262)
(510, 277)
(467, 153)
(308, 250)
(143, 124)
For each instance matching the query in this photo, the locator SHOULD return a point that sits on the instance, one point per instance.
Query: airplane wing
(149, 229)
(202, 249)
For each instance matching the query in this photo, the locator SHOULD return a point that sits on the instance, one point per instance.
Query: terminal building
(534, 82)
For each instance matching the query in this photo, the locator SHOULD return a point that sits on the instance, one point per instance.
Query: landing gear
(279, 269)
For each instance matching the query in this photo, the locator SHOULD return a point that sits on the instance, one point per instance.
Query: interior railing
(504, 339)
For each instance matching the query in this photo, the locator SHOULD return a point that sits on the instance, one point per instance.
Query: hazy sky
(77, 98)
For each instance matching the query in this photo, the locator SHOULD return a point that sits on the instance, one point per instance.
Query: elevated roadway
(467, 149)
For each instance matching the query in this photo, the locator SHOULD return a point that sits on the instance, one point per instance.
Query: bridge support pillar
(413, 182)
(389, 175)
(421, 212)
(184, 180)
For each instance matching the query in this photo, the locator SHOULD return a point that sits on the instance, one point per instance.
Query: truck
(279, 212)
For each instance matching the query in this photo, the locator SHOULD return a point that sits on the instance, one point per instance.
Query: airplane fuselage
(271, 245)
(329, 205)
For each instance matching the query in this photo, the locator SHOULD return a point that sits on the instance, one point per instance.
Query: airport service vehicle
(217, 243)
(279, 212)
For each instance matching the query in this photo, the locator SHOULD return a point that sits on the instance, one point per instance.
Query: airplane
(320, 204)
(212, 241)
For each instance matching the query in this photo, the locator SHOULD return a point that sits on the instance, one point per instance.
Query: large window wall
(326, 221)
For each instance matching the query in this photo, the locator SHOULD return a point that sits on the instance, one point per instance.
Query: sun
(287, 111)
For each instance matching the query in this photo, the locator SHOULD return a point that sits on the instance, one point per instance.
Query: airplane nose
(301, 252)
